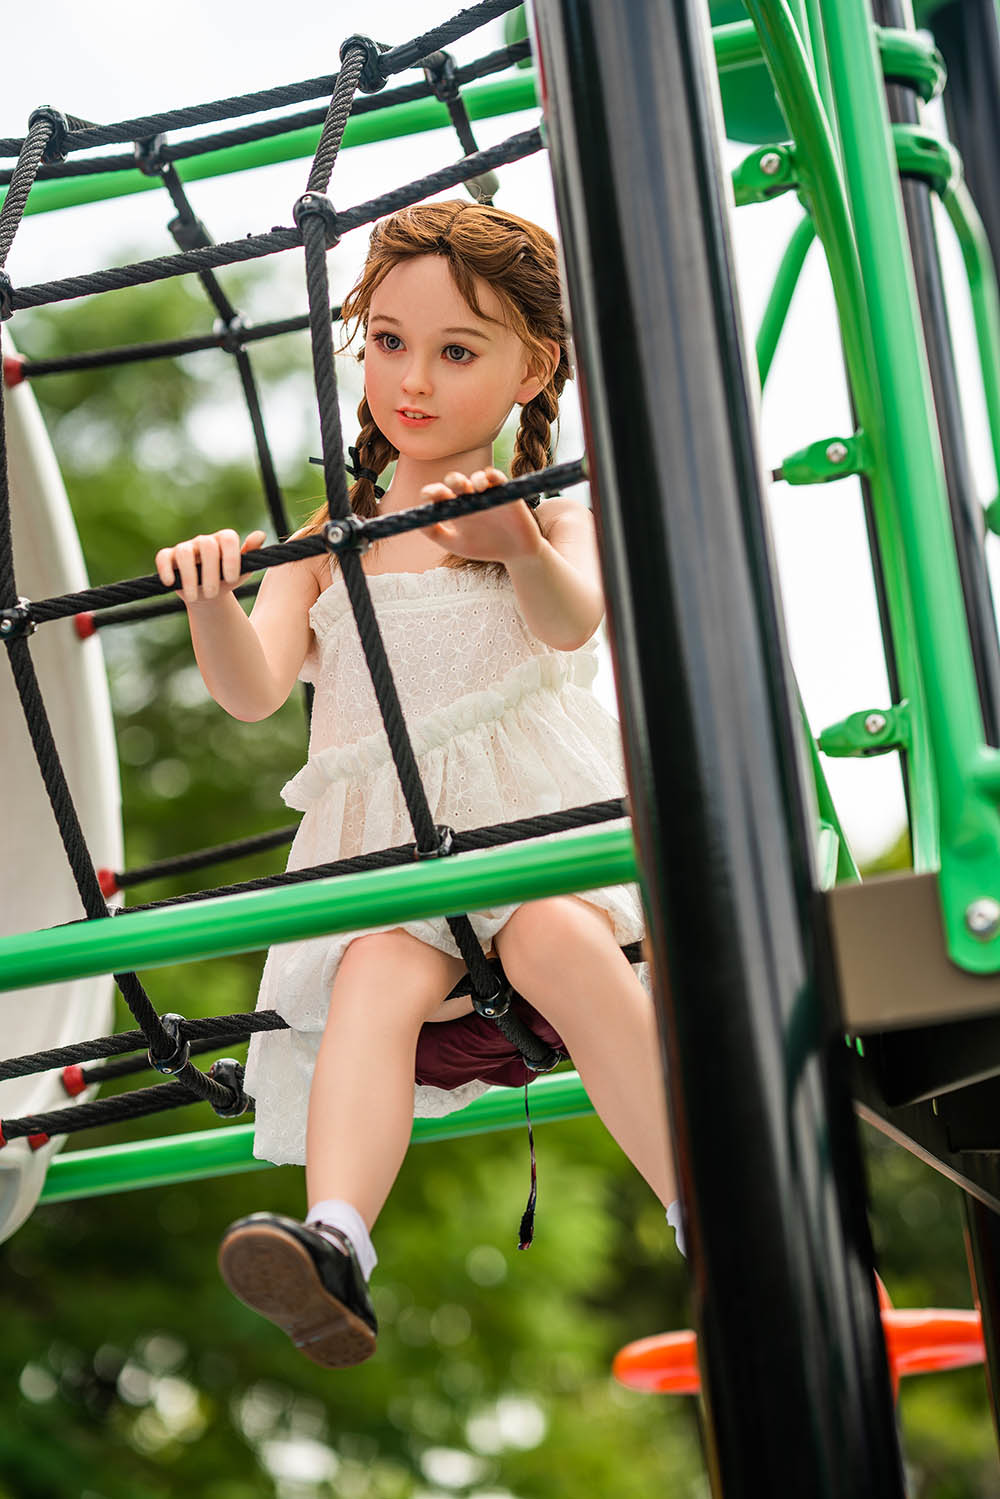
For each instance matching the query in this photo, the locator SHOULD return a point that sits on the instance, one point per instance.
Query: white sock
(335, 1213)
(676, 1222)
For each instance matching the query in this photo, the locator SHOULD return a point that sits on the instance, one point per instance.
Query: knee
(543, 936)
(390, 975)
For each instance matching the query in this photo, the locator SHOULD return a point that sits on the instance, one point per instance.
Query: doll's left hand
(500, 535)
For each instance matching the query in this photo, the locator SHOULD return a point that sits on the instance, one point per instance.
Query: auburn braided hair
(519, 262)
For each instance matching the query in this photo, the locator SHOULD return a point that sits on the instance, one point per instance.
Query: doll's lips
(414, 418)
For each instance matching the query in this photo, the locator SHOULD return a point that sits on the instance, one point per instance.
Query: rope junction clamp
(17, 622)
(229, 333)
(316, 203)
(443, 847)
(228, 1072)
(372, 78)
(149, 155)
(181, 1054)
(346, 534)
(60, 125)
(6, 297)
(492, 1006)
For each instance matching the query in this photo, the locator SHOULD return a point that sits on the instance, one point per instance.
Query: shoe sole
(273, 1274)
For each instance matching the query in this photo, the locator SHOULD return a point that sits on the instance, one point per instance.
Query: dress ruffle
(477, 713)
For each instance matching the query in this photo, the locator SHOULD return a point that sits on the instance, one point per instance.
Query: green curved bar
(780, 299)
(227, 1150)
(982, 279)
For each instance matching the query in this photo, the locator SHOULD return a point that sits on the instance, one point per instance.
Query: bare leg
(361, 1102)
(561, 955)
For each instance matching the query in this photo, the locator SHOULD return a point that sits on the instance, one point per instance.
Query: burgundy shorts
(450, 1052)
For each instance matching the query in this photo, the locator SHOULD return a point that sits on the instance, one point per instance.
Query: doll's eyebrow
(382, 317)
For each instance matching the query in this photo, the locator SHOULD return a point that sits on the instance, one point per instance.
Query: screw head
(982, 917)
(875, 723)
(836, 452)
(770, 163)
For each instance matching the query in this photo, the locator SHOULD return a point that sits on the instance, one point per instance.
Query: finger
(478, 480)
(254, 541)
(458, 482)
(165, 565)
(432, 493)
(185, 561)
(229, 555)
(208, 552)
(496, 475)
(442, 533)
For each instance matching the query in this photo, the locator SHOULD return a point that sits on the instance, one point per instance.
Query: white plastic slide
(36, 886)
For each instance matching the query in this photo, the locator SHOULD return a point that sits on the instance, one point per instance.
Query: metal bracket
(873, 731)
(828, 459)
(921, 154)
(765, 173)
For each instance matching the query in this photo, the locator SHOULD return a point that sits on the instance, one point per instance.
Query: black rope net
(169, 1041)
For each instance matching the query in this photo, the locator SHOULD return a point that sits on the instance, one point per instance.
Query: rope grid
(170, 1040)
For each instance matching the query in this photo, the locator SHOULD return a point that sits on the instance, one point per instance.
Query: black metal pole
(795, 1373)
(982, 1246)
(966, 510)
(968, 34)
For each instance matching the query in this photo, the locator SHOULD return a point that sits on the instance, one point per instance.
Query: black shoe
(295, 1278)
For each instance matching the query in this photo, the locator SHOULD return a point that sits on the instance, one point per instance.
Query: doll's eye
(458, 354)
(390, 342)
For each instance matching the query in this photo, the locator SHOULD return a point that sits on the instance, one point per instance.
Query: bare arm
(558, 587)
(249, 665)
(553, 565)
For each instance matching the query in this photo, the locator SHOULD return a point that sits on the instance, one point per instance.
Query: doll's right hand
(219, 555)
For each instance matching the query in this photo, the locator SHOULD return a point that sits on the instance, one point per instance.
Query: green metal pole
(969, 825)
(820, 173)
(780, 299)
(227, 1150)
(349, 903)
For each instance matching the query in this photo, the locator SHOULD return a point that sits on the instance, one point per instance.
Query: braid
(376, 452)
(534, 434)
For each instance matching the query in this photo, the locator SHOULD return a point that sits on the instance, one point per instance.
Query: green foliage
(128, 1370)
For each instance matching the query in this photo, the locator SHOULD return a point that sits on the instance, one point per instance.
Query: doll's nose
(416, 378)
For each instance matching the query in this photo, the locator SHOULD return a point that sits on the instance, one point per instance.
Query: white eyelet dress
(503, 726)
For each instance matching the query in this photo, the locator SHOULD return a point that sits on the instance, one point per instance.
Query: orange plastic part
(917, 1342)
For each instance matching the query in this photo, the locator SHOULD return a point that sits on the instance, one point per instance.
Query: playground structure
(772, 947)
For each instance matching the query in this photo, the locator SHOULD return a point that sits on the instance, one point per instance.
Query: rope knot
(372, 77)
(6, 297)
(55, 146)
(316, 205)
(17, 622)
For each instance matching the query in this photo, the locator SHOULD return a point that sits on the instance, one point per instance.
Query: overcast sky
(114, 60)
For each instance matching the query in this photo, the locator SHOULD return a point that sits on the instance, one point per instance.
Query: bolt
(875, 723)
(6, 625)
(982, 917)
(771, 163)
(836, 452)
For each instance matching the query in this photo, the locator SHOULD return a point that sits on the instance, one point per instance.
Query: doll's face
(441, 381)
